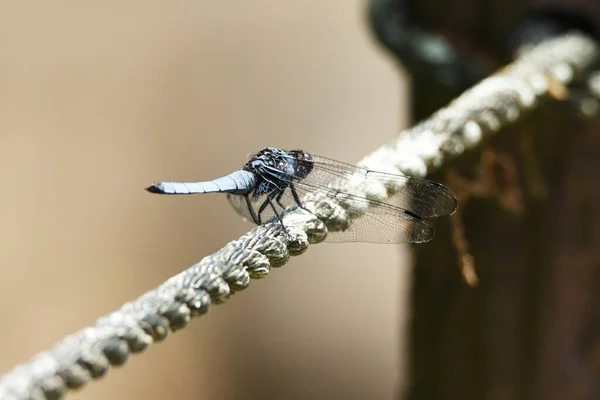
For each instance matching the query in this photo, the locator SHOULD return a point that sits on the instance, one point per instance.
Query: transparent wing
(377, 223)
(388, 208)
(382, 224)
(422, 197)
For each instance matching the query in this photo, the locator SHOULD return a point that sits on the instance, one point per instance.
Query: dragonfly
(274, 180)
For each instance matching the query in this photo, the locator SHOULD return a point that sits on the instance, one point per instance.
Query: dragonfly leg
(267, 202)
(296, 197)
(278, 199)
(255, 217)
(270, 200)
(262, 208)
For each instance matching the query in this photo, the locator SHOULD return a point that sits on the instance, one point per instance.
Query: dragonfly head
(303, 163)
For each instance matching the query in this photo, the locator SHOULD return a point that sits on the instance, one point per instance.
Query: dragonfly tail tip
(155, 188)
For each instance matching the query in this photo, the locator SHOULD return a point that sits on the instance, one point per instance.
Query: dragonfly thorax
(280, 167)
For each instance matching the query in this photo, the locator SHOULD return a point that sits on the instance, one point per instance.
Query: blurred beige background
(98, 99)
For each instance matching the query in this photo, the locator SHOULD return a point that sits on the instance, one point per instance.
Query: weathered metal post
(530, 215)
